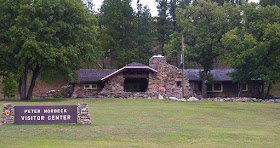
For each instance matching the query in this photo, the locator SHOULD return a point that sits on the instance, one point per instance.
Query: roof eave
(128, 67)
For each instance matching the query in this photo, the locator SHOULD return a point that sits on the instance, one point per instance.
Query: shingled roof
(136, 64)
(92, 75)
(218, 74)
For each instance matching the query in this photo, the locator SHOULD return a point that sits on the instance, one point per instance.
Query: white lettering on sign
(32, 118)
(59, 117)
(31, 111)
(59, 111)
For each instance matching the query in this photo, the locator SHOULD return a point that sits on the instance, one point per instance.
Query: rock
(160, 97)
(173, 99)
(81, 96)
(193, 99)
(182, 99)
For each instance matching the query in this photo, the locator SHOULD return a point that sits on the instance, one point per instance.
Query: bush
(9, 85)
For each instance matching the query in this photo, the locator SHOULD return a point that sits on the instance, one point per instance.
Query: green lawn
(153, 123)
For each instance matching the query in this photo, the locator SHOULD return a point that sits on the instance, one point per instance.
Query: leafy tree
(37, 36)
(264, 3)
(253, 48)
(9, 85)
(204, 25)
(118, 30)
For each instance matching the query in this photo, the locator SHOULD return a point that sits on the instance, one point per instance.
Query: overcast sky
(150, 3)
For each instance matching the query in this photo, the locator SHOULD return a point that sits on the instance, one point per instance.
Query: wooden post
(183, 53)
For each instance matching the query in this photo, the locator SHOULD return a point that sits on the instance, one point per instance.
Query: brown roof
(218, 74)
(92, 75)
(136, 64)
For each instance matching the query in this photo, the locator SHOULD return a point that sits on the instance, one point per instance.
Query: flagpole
(183, 83)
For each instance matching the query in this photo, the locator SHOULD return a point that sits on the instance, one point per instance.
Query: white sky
(150, 3)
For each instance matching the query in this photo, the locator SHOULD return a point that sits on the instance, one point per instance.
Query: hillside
(41, 87)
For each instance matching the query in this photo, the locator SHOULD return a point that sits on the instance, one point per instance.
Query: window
(244, 87)
(90, 86)
(179, 84)
(215, 87)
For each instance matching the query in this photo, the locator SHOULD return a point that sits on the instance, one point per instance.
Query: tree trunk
(262, 91)
(240, 89)
(22, 85)
(268, 91)
(204, 84)
(35, 75)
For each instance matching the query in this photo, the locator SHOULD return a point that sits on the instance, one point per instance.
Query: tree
(38, 36)
(265, 3)
(253, 49)
(173, 48)
(145, 33)
(118, 30)
(204, 25)
(164, 26)
(234, 2)
(173, 5)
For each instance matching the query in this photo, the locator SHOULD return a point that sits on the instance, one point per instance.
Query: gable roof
(218, 74)
(133, 66)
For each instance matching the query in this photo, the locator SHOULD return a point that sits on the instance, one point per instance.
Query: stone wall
(165, 80)
(130, 95)
(114, 84)
(80, 92)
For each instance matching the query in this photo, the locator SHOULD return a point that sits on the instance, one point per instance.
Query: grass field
(153, 123)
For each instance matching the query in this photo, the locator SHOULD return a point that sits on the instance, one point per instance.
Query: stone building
(157, 80)
(135, 80)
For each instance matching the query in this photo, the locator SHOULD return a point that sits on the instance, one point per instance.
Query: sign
(45, 114)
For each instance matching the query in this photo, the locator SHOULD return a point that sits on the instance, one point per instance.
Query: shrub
(9, 85)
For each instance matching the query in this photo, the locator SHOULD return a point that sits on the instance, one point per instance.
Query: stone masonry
(114, 84)
(83, 116)
(8, 115)
(166, 79)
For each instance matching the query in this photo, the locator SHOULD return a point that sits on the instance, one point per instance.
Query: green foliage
(118, 26)
(41, 35)
(253, 49)
(163, 25)
(9, 85)
(173, 49)
(203, 27)
(145, 33)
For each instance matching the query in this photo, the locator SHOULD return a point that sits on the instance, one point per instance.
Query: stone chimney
(157, 60)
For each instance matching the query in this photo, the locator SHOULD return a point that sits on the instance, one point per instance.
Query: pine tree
(118, 27)
(164, 26)
(145, 29)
